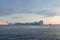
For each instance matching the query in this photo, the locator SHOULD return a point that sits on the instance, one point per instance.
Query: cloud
(15, 17)
(5, 12)
(47, 13)
(50, 12)
(30, 7)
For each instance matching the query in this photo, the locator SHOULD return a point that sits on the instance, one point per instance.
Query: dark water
(29, 32)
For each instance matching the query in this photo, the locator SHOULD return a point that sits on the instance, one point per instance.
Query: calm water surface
(30, 32)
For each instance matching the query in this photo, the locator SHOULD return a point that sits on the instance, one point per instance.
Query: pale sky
(30, 11)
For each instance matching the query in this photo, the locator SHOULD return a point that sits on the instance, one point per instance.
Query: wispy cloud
(30, 7)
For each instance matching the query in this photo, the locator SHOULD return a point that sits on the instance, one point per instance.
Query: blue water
(29, 32)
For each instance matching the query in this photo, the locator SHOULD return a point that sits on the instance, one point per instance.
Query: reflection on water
(29, 32)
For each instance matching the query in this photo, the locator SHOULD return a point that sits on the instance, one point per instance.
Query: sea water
(29, 32)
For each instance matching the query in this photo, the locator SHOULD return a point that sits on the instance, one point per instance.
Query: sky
(29, 11)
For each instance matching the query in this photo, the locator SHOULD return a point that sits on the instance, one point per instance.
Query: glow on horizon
(52, 20)
(46, 21)
(3, 22)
